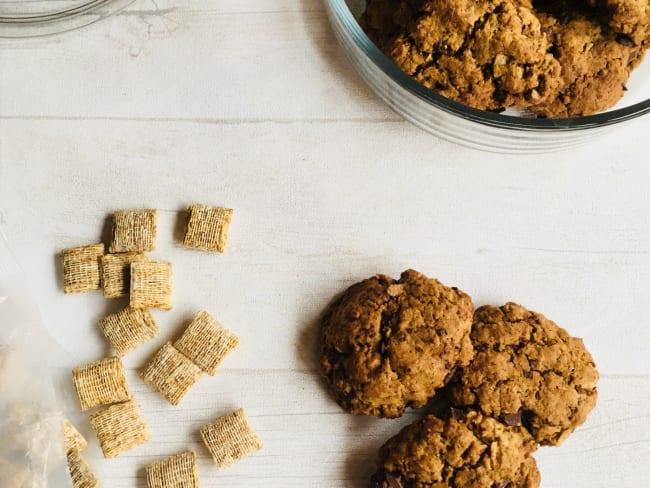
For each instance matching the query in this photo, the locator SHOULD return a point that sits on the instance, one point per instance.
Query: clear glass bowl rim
(37, 24)
(341, 9)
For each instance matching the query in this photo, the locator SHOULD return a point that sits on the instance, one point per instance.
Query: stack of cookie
(556, 58)
(510, 380)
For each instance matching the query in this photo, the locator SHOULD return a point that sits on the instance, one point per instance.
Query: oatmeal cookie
(467, 450)
(528, 368)
(629, 18)
(488, 54)
(389, 344)
(596, 61)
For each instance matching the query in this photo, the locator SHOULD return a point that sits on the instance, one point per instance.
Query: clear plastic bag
(31, 413)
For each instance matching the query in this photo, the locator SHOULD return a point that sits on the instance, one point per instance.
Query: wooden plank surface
(251, 104)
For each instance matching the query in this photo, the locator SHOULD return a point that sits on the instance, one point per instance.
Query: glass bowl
(507, 132)
(33, 18)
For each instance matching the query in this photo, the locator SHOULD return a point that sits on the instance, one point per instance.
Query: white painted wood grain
(250, 104)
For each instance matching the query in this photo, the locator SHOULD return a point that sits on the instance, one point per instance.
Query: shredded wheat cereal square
(171, 374)
(128, 328)
(207, 228)
(206, 342)
(81, 268)
(177, 471)
(72, 438)
(119, 428)
(81, 474)
(116, 273)
(100, 383)
(230, 438)
(134, 231)
(151, 285)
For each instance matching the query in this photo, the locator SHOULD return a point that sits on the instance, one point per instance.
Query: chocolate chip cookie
(526, 367)
(489, 54)
(466, 450)
(596, 61)
(389, 344)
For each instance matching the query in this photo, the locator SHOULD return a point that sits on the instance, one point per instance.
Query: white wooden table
(251, 104)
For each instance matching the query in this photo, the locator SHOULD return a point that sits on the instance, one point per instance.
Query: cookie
(389, 344)
(529, 370)
(488, 54)
(466, 450)
(596, 62)
(630, 19)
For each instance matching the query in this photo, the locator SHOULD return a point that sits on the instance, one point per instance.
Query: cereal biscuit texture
(230, 438)
(127, 329)
(81, 268)
(116, 273)
(171, 374)
(526, 365)
(72, 438)
(119, 428)
(81, 474)
(101, 382)
(177, 471)
(134, 231)
(206, 342)
(151, 285)
(207, 228)
(389, 344)
(467, 450)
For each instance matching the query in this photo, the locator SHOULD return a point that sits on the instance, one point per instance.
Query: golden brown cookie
(389, 344)
(596, 61)
(527, 369)
(466, 450)
(489, 54)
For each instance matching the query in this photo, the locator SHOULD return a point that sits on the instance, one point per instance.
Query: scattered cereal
(151, 285)
(119, 428)
(177, 471)
(171, 374)
(206, 342)
(80, 472)
(128, 328)
(81, 268)
(134, 231)
(207, 228)
(230, 438)
(116, 273)
(101, 383)
(72, 439)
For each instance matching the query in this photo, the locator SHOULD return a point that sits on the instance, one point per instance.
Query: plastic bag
(31, 414)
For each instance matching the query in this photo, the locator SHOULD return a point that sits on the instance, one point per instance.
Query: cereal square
(116, 272)
(72, 438)
(119, 428)
(230, 438)
(151, 285)
(134, 231)
(80, 473)
(177, 471)
(206, 342)
(207, 228)
(128, 328)
(81, 268)
(171, 374)
(100, 383)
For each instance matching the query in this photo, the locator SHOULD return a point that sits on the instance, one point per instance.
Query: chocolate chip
(532, 363)
(383, 479)
(441, 332)
(456, 414)
(624, 40)
(512, 419)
